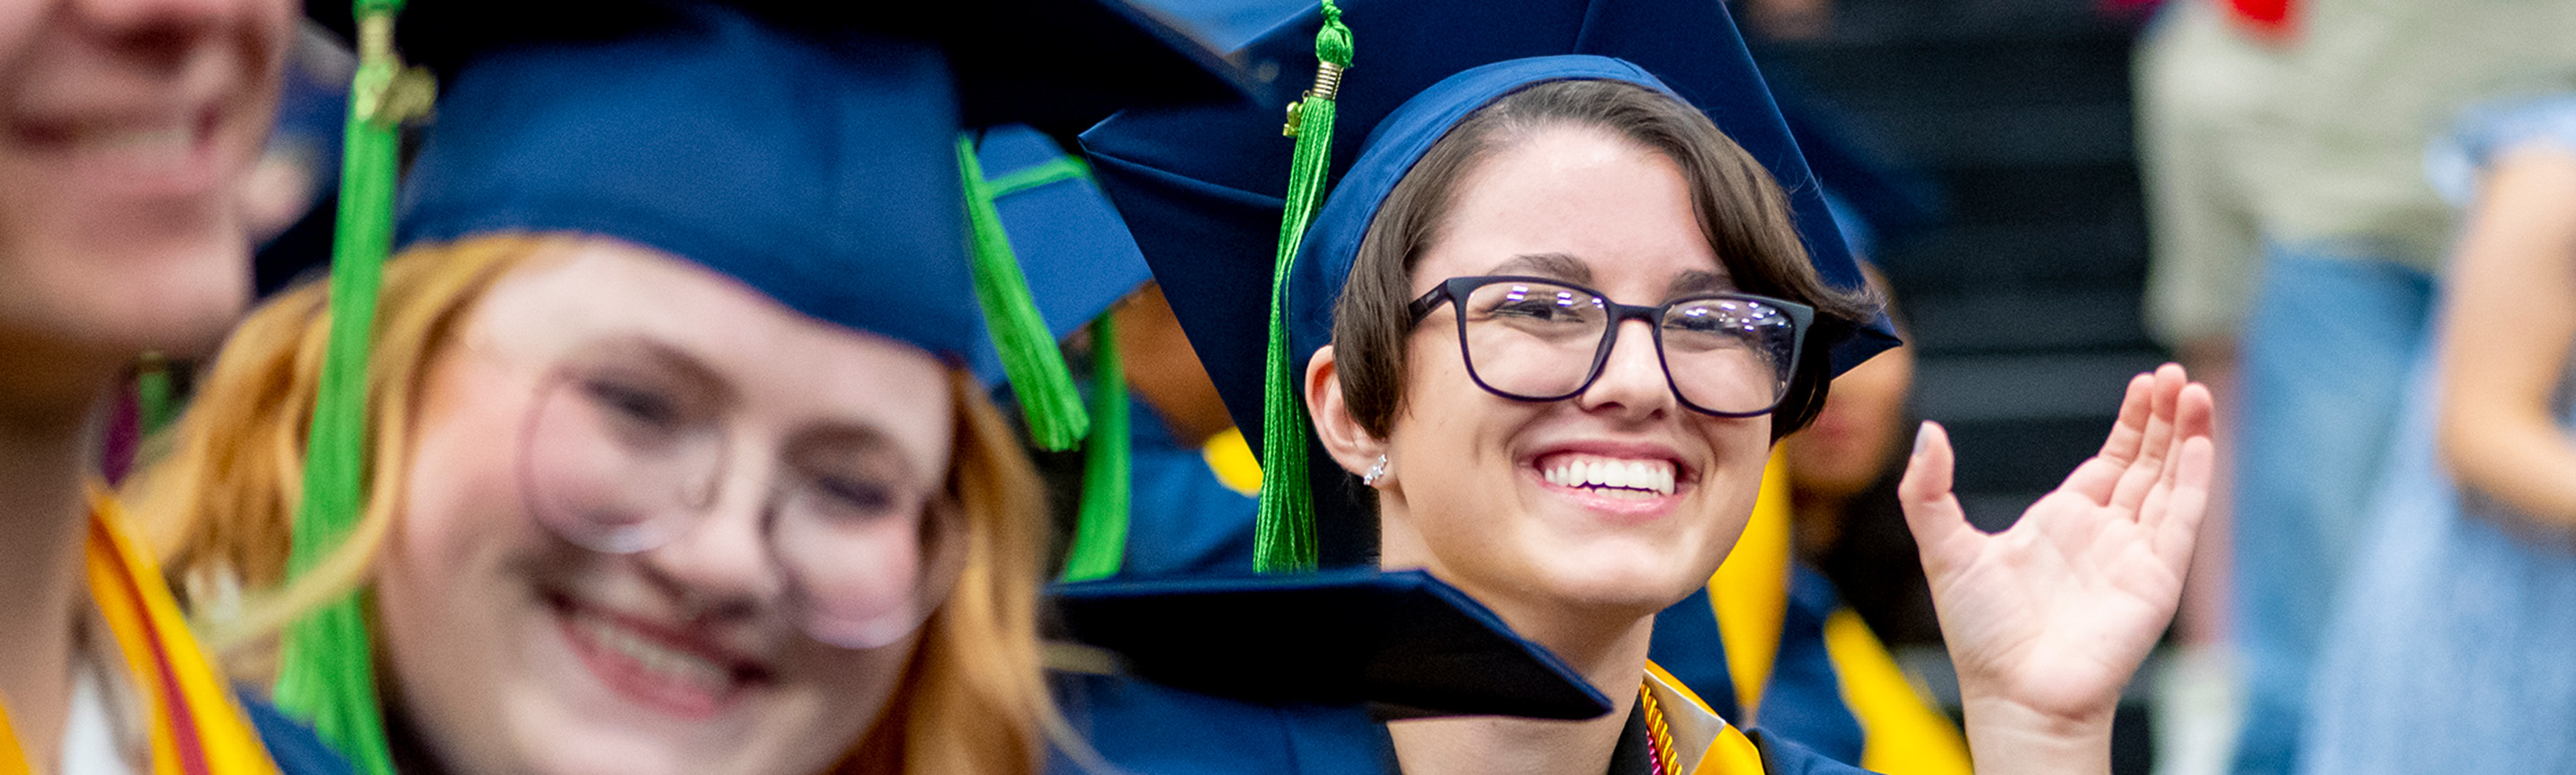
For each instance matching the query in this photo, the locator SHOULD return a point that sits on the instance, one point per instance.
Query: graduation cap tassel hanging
(154, 403)
(1286, 537)
(326, 673)
(1099, 545)
(1028, 352)
(1100, 529)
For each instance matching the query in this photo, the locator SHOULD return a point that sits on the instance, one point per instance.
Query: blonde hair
(220, 502)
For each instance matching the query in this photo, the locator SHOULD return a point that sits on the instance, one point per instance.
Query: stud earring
(1375, 472)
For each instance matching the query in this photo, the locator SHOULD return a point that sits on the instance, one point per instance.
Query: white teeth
(662, 662)
(1617, 476)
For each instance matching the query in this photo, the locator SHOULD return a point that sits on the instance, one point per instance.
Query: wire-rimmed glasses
(619, 455)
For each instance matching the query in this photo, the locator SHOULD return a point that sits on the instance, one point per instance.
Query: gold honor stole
(196, 727)
(1699, 741)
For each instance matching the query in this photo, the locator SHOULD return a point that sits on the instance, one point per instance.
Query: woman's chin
(555, 736)
(606, 754)
(1619, 579)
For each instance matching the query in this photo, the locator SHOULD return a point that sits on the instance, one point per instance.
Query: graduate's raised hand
(2046, 621)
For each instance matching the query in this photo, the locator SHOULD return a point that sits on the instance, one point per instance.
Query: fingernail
(1922, 434)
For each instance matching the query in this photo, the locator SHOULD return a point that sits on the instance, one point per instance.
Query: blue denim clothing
(2323, 361)
(2448, 651)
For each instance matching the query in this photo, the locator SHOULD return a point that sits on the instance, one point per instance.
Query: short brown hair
(1741, 208)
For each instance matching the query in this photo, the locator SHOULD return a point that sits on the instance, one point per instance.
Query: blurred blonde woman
(675, 463)
(442, 504)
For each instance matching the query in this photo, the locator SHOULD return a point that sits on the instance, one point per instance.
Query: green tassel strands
(326, 673)
(1100, 530)
(1286, 537)
(1029, 354)
(154, 400)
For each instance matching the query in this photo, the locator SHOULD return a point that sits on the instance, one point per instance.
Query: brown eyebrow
(1565, 266)
(832, 445)
(675, 362)
(1698, 281)
(1561, 266)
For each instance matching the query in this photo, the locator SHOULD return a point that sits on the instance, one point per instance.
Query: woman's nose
(1632, 379)
(723, 555)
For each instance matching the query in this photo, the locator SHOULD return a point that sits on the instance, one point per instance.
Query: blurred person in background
(1842, 491)
(1856, 581)
(2450, 649)
(127, 130)
(2295, 241)
(676, 463)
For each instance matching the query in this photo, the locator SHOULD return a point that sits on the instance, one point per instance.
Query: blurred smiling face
(1619, 499)
(610, 394)
(125, 129)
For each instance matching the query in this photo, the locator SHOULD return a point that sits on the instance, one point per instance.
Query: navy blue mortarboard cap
(816, 164)
(1059, 65)
(813, 172)
(1403, 641)
(1203, 187)
(1228, 24)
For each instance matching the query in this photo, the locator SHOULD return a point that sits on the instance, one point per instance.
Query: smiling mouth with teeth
(178, 152)
(1614, 477)
(647, 668)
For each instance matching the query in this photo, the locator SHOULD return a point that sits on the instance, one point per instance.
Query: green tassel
(1055, 170)
(154, 404)
(1029, 353)
(1100, 534)
(326, 673)
(1285, 540)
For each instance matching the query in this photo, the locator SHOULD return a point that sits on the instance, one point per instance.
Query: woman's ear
(1351, 445)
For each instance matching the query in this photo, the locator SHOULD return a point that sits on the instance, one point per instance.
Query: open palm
(2054, 614)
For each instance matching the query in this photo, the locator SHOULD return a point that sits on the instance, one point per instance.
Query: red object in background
(2269, 17)
(2272, 19)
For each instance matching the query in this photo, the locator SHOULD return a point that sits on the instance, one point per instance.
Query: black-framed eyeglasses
(1537, 339)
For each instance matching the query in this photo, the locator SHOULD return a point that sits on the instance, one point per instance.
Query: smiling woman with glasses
(1636, 311)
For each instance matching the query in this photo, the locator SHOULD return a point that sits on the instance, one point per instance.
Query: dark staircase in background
(2024, 299)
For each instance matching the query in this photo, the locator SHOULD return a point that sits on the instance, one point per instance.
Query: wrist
(2009, 737)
